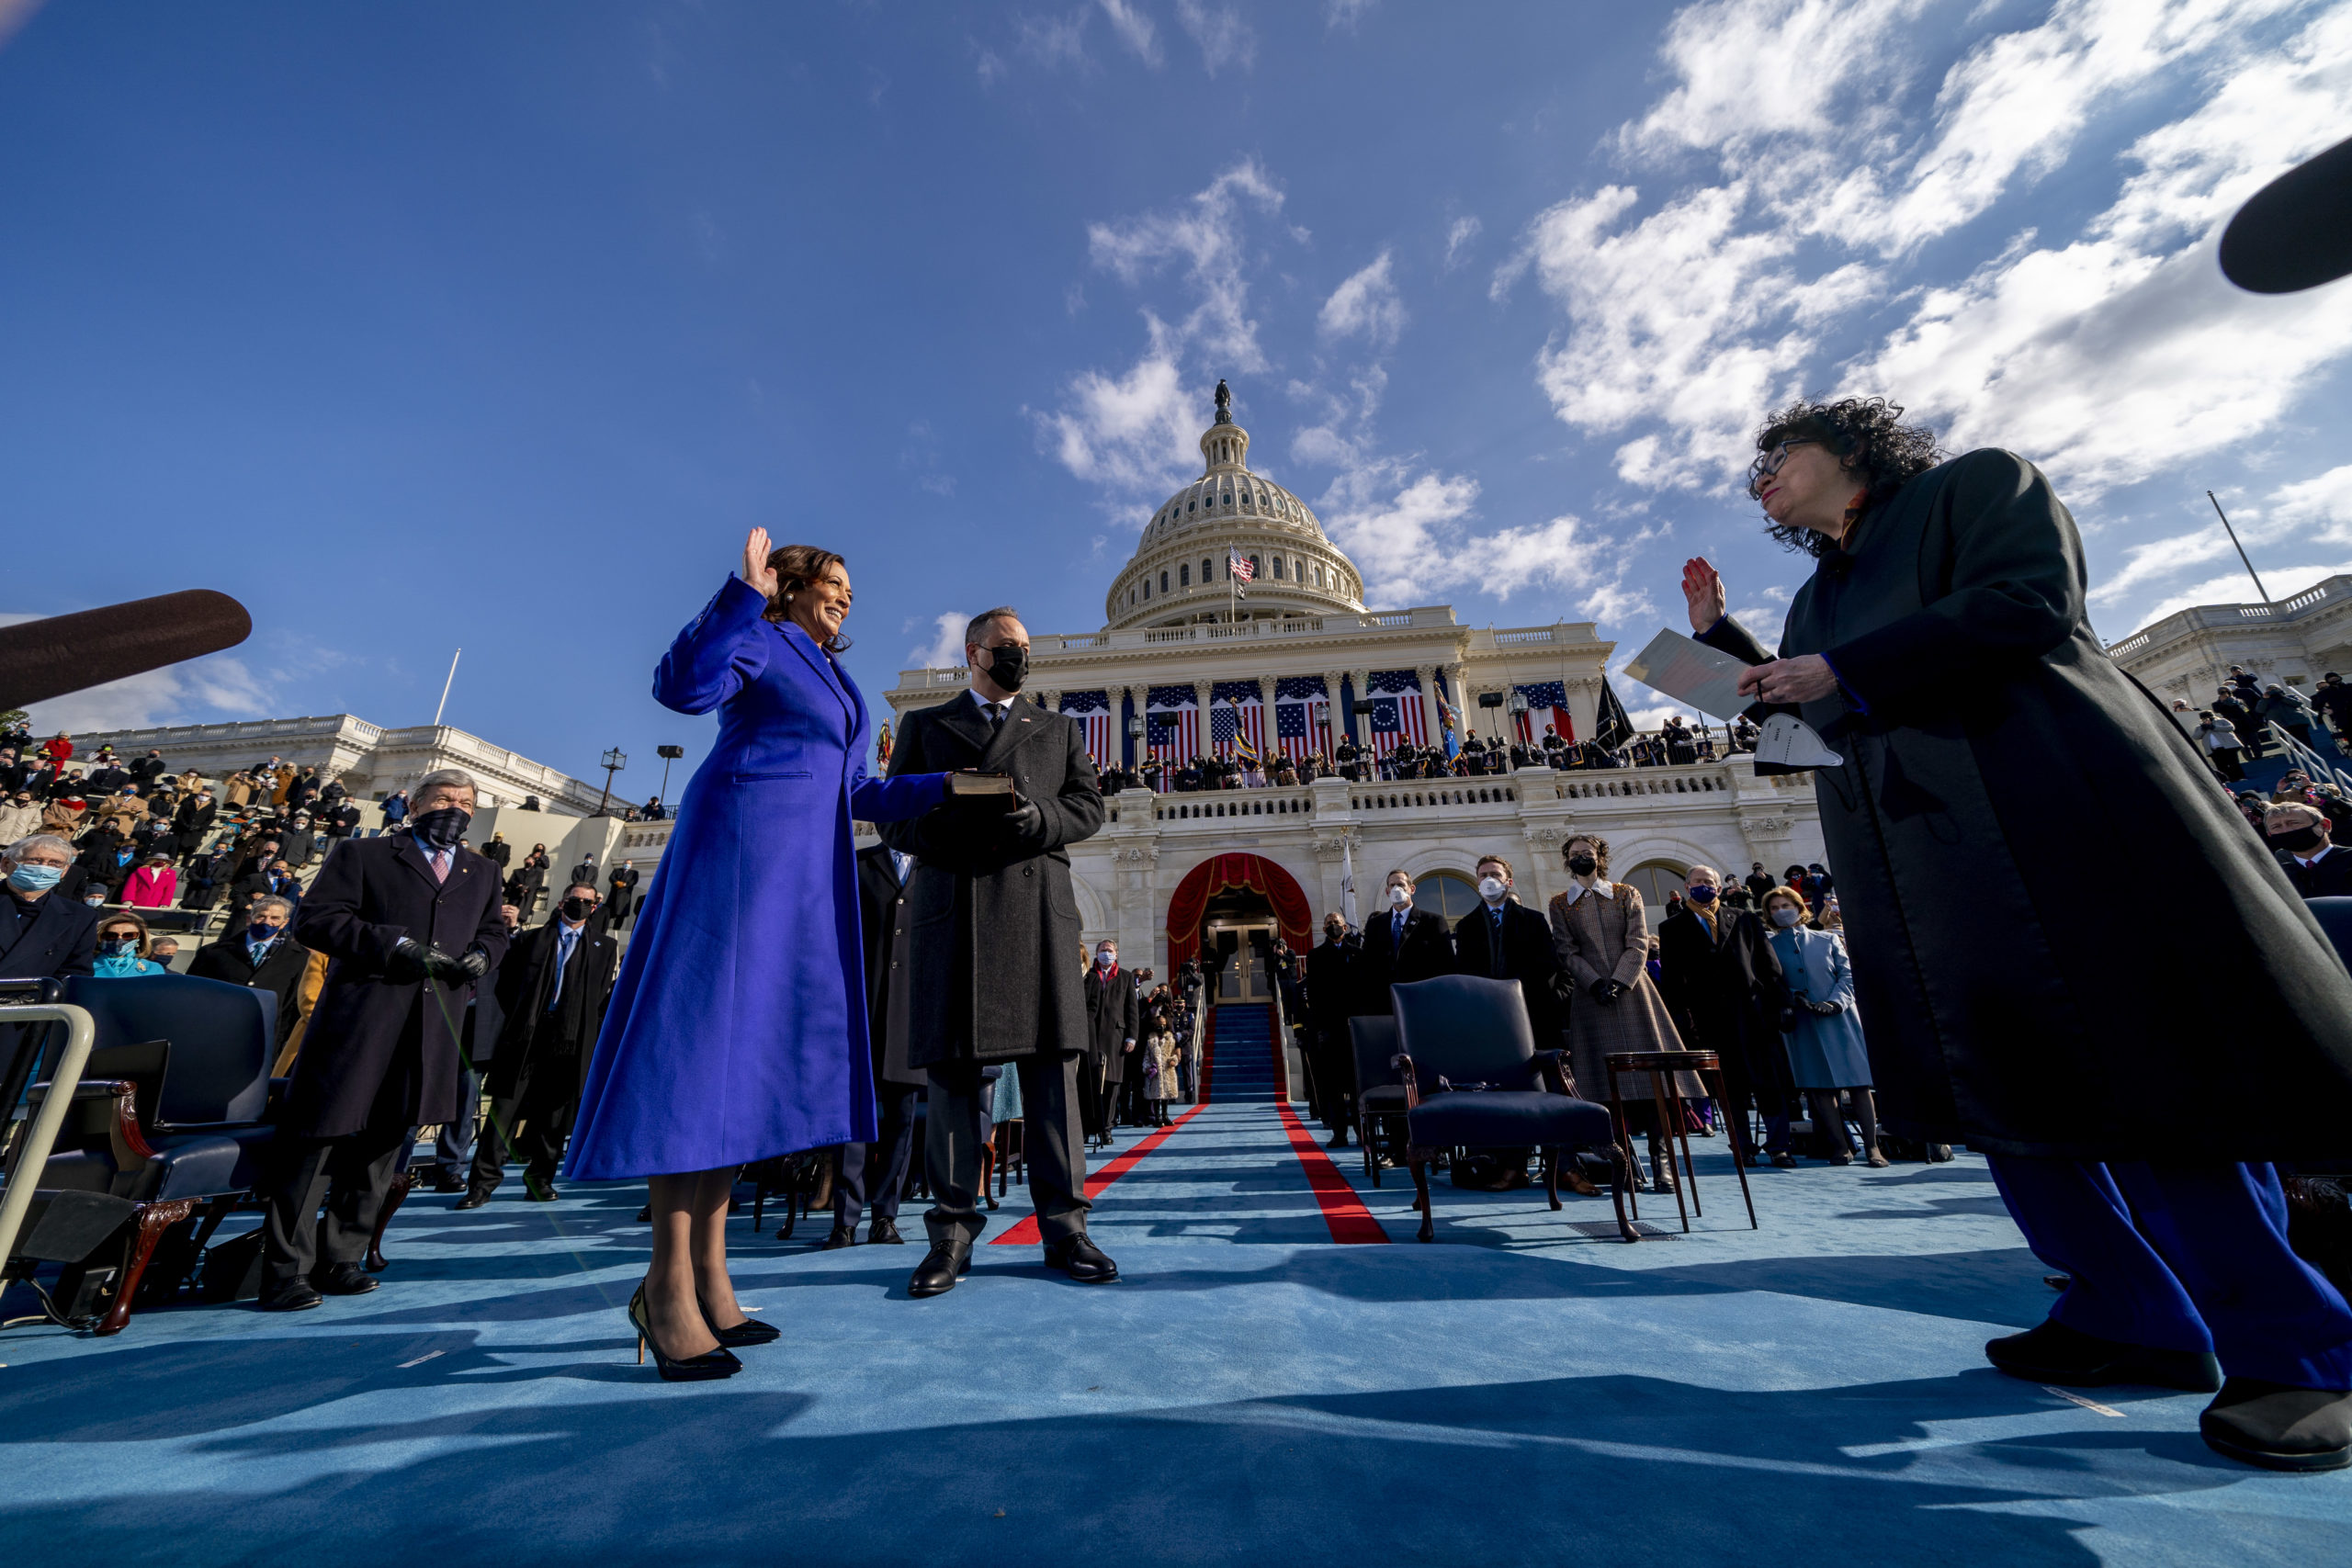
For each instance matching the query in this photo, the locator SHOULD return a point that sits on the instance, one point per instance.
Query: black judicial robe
(1994, 757)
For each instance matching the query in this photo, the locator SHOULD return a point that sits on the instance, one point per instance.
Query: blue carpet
(1812, 1392)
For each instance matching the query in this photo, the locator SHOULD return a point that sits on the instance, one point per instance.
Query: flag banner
(1547, 710)
(1397, 693)
(1302, 717)
(1172, 716)
(1095, 715)
(1611, 727)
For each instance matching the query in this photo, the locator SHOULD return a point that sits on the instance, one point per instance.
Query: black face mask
(2299, 840)
(1009, 666)
(1583, 866)
(578, 908)
(445, 829)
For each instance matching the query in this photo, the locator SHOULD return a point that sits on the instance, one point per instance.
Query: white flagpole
(1347, 882)
(445, 689)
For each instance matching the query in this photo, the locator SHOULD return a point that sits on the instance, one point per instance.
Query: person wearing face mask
(411, 922)
(19, 815)
(1332, 984)
(260, 954)
(122, 951)
(1112, 1031)
(1401, 944)
(1726, 991)
(737, 1031)
(1822, 1032)
(1600, 935)
(553, 987)
(995, 925)
(1505, 940)
(2300, 836)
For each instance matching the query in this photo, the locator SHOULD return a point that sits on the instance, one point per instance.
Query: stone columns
(1463, 703)
(1201, 689)
(1427, 675)
(1266, 696)
(1337, 722)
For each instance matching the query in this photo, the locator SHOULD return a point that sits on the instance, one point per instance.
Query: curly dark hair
(1871, 442)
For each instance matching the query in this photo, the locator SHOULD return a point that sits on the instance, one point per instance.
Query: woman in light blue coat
(1825, 1033)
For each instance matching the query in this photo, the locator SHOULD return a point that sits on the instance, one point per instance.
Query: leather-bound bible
(979, 784)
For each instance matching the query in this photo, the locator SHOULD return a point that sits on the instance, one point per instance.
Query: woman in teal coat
(1823, 1033)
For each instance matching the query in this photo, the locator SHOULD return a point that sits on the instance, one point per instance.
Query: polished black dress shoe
(2050, 1352)
(751, 1331)
(883, 1233)
(1337, 1140)
(444, 1183)
(718, 1363)
(1081, 1260)
(839, 1237)
(289, 1295)
(538, 1188)
(2280, 1427)
(473, 1200)
(936, 1274)
(344, 1279)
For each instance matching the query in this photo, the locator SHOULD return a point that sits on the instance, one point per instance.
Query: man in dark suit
(44, 934)
(1505, 940)
(499, 853)
(622, 899)
(2300, 836)
(552, 988)
(1112, 1014)
(1332, 989)
(876, 1173)
(995, 927)
(259, 954)
(147, 770)
(1726, 992)
(410, 924)
(1400, 945)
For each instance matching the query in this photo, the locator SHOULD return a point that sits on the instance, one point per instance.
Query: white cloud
(1048, 42)
(1224, 38)
(1461, 234)
(1134, 432)
(1367, 303)
(945, 648)
(1135, 27)
(1346, 13)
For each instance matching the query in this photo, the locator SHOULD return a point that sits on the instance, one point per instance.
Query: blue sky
(497, 326)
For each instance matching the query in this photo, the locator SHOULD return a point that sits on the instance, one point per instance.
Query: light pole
(1519, 705)
(614, 762)
(668, 754)
(1137, 750)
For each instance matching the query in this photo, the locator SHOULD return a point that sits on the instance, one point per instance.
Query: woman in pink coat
(152, 885)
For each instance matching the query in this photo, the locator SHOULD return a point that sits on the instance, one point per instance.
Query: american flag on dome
(1092, 711)
(1173, 723)
(1302, 715)
(1239, 567)
(1396, 716)
(1547, 710)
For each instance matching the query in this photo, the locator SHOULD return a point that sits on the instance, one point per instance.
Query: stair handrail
(2319, 768)
(39, 1135)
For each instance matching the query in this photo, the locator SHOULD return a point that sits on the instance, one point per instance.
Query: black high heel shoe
(718, 1363)
(751, 1331)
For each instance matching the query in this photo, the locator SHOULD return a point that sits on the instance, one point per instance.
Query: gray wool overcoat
(2003, 782)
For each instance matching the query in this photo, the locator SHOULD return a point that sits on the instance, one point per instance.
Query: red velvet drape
(1294, 917)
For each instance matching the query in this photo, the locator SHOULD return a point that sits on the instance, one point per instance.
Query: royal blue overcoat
(737, 1029)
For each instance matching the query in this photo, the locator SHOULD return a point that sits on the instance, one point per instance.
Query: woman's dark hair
(1600, 852)
(796, 567)
(1870, 442)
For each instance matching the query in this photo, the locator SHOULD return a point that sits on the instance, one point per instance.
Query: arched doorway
(1234, 905)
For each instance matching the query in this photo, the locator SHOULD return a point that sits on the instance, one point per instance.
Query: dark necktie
(996, 718)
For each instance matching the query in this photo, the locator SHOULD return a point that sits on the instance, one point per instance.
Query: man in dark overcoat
(1505, 940)
(409, 923)
(1113, 1012)
(876, 1172)
(552, 988)
(2130, 1081)
(1401, 943)
(995, 931)
(256, 952)
(1724, 984)
(622, 899)
(1331, 984)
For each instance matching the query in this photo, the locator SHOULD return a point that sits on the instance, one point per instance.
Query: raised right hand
(756, 570)
(1702, 589)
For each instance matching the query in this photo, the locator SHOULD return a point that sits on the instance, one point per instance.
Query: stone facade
(2293, 642)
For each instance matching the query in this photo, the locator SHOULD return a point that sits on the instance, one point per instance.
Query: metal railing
(39, 1135)
(2320, 770)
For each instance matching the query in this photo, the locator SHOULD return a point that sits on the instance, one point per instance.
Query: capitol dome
(1177, 575)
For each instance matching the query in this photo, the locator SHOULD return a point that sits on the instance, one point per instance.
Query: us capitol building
(1175, 671)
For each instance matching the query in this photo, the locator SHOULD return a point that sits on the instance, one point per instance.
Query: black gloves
(409, 962)
(1607, 990)
(413, 960)
(1025, 823)
(473, 964)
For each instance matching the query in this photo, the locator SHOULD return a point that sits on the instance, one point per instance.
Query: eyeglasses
(1769, 463)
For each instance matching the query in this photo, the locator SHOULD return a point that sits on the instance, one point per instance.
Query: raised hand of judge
(1703, 590)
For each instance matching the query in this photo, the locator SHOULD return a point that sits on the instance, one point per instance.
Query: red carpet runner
(1026, 1231)
(1342, 1210)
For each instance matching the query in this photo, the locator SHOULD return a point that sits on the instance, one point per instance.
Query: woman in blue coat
(736, 1028)
(1824, 1033)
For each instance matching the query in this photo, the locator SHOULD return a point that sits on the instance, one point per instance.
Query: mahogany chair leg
(1621, 1183)
(1624, 1132)
(153, 1221)
(402, 1185)
(1660, 1108)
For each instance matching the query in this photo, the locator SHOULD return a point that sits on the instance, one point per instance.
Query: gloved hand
(408, 963)
(1025, 823)
(1606, 990)
(444, 968)
(474, 963)
(1826, 1010)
